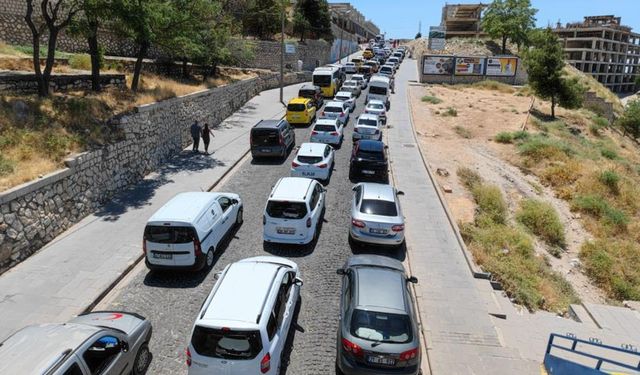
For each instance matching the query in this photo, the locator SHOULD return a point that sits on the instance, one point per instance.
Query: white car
(242, 326)
(378, 108)
(350, 67)
(352, 86)
(361, 79)
(394, 60)
(313, 160)
(347, 97)
(327, 131)
(387, 70)
(336, 110)
(294, 211)
(376, 216)
(367, 127)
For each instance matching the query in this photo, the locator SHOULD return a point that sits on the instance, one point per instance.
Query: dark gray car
(105, 342)
(272, 138)
(378, 331)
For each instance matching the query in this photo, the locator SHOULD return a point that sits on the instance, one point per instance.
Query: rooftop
(291, 188)
(382, 288)
(312, 149)
(378, 191)
(184, 207)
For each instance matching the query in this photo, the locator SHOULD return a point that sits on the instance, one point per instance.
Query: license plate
(368, 172)
(265, 150)
(381, 360)
(286, 230)
(377, 231)
(162, 256)
(309, 174)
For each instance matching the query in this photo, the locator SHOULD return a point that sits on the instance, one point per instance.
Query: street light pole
(282, 15)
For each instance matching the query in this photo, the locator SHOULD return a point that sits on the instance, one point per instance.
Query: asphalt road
(172, 300)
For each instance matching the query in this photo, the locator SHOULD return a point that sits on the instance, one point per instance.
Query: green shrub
(463, 132)
(520, 135)
(630, 119)
(490, 202)
(504, 137)
(609, 154)
(614, 265)
(6, 166)
(450, 112)
(540, 148)
(610, 179)
(591, 204)
(542, 220)
(616, 218)
(80, 61)
(468, 177)
(431, 99)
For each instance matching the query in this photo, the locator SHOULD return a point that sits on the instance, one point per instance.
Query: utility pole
(282, 15)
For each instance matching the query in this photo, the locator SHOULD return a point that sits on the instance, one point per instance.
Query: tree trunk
(142, 52)
(504, 44)
(48, 66)
(553, 107)
(35, 41)
(214, 69)
(94, 52)
(185, 68)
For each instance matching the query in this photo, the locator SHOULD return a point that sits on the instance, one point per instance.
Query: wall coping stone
(31, 186)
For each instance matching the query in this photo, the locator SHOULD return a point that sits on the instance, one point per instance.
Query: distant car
(369, 160)
(376, 216)
(314, 160)
(378, 329)
(353, 86)
(347, 97)
(361, 79)
(329, 131)
(350, 67)
(337, 110)
(103, 342)
(378, 108)
(367, 126)
(394, 60)
(387, 70)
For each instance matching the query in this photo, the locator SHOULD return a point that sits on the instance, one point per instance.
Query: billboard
(440, 65)
(502, 66)
(469, 66)
(437, 37)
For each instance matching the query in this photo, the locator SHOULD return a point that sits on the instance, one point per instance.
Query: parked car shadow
(396, 252)
(288, 345)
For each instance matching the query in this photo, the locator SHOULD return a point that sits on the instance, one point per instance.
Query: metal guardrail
(590, 362)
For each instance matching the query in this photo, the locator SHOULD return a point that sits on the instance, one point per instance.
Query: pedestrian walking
(195, 134)
(206, 131)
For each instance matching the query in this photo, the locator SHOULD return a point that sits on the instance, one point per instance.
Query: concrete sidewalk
(461, 337)
(67, 275)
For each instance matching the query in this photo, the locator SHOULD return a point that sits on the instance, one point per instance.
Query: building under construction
(603, 47)
(462, 20)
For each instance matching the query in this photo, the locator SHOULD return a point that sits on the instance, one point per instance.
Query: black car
(369, 160)
(312, 92)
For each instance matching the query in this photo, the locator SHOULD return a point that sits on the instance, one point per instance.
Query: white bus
(379, 89)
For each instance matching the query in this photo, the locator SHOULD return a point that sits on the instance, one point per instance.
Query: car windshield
(370, 155)
(322, 80)
(368, 122)
(377, 90)
(324, 128)
(342, 97)
(309, 159)
(378, 207)
(333, 109)
(357, 78)
(286, 210)
(377, 326)
(225, 343)
(167, 234)
(265, 137)
(375, 106)
(350, 83)
(296, 107)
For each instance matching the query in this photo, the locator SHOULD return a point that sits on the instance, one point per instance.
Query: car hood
(122, 321)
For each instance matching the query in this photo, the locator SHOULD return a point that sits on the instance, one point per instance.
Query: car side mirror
(298, 281)
(341, 271)
(412, 279)
(386, 147)
(399, 192)
(234, 201)
(125, 346)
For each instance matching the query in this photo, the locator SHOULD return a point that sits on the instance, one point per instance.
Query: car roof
(242, 293)
(357, 75)
(368, 116)
(350, 81)
(267, 124)
(312, 149)
(380, 288)
(370, 145)
(291, 189)
(37, 348)
(335, 103)
(326, 121)
(185, 207)
(375, 191)
(344, 93)
(299, 100)
(378, 78)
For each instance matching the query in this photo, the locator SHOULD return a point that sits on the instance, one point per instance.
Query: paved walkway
(68, 274)
(461, 338)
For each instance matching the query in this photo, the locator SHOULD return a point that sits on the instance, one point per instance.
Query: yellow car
(368, 53)
(301, 111)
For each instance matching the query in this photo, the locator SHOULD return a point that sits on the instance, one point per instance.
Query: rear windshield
(378, 207)
(342, 97)
(370, 155)
(324, 128)
(332, 109)
(377, 90)
(167, 234)
(375, 106)
(376, 326)
(350, 83)
(286, 210)
(309, 159)
(265, 137)
(225, 343)
(357, 78)
(386, 69)
(322, 80)
(307, 93)
(367, 121)
(296, 107)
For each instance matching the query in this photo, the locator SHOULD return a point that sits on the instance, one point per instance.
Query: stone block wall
(266, 54)
(599, 106)
(27, 83)
(35, 213)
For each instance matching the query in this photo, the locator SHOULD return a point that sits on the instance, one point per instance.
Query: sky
(400, 18)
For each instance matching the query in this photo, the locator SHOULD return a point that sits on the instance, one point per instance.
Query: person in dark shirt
(195, 134)
(206, 131)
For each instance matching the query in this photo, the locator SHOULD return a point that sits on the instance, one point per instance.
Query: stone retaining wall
(27, 83)
(35, 213)
(599, 106)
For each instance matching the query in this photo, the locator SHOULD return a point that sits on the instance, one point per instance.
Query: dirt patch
(482, 114)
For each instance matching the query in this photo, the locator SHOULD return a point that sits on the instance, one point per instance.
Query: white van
(379, 87)
(243, 324)
(185, 232)
(294, 211)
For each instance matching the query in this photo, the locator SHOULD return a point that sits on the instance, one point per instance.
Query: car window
(225, 203)
(102, 353)
(167, 234)
(324, 128)
(370, 155)
(327, 151)
(376, 106)
(315, 197)
(272, 325)
(286, 210)
(378, 207)
(378, 326)
(377, 90)
(333, 109)
(226, 343)
(265, 137)
(309, 159)
(74, 369)
(358, 194)
(346, 301)
(283, 297)
(368, 121)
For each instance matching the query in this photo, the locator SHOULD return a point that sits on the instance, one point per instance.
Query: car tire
(143, 360)
(239, 217)
(210, 257)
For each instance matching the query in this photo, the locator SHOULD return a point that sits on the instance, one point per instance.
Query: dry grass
(592, 84)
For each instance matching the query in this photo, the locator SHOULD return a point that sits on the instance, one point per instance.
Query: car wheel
(142, 361)
(210, 257)
(239, 217)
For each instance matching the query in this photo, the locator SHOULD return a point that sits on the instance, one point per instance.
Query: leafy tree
(509, 20)
(630, 119)
(418, 35)
(94, 12)
(262, 18)
(300, 23)
(545, 62)
(54, 17)
(313, 16)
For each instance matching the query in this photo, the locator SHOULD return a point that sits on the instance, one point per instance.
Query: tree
(418, 35)
(56, 16)
(630, 119)
(86, 25)
(262, 18)
(509, 20)
(544, 61)
(300, 23)
(313, 16)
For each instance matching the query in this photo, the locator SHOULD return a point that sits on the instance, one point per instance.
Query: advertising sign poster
(502, 66)
(440, 65)
(290, 48)
(437, 38)
(469, 66)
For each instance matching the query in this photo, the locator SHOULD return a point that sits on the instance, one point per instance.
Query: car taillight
(314, 132)
(323, 165)
(281, 139)
(341, 113)
(322, 113)
(357, 223)
(334, 133)
(265, 363)
(308, 222)
(294, 164)
(187, 352)
(352, 348)
(197, 249)
(398, 228)
(409, 354)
